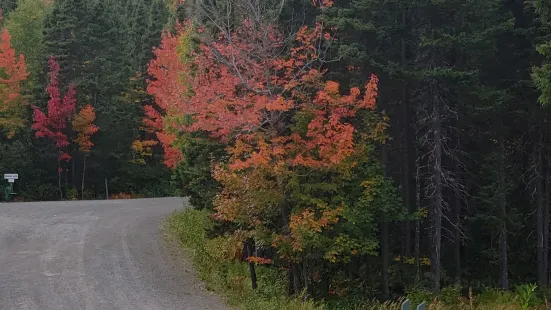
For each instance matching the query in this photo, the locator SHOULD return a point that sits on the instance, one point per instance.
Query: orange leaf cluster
(245, 198)
(259, 260)
(242, 92)
(14, 72)
(83, 124)
(307, 222)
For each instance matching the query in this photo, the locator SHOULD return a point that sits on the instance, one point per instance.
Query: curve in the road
(94, 255)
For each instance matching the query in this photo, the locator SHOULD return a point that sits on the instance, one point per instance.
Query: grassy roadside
(230, 278)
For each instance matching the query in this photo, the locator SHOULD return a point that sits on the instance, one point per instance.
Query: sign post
(8, 192)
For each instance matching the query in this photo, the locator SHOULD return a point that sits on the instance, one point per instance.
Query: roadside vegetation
(343, 151)
(231, 279)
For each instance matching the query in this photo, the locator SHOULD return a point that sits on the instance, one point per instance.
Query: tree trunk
(436, 205)
(409, 195)
(384, 235)
(59, 179)
(66, 179)
(252, 270)
(83, 174)
(546, 223)
(417, 252)
(297, 287)
(306, 279)
(420, 199)
(293, 276)
(73, 179)
(504, 267)
(384, 257)
(457, 234)
(539, 216)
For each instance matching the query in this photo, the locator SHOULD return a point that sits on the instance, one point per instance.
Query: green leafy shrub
(527, 296)
(194, 175)
(39, 192)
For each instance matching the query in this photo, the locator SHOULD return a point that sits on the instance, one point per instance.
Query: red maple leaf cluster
(53, 123)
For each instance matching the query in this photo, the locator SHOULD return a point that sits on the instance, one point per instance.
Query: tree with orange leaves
(280, 122)
(83, 124)
(13, 74)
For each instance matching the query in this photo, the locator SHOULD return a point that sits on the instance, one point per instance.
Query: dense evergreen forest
(366, 147)
(102, 48)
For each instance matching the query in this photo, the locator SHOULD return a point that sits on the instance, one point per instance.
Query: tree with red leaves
(279, 120)
(54, 123)
(13, 74)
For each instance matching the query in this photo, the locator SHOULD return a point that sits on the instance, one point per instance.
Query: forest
(363, 148)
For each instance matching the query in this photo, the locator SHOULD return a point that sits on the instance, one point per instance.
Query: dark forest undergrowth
(231, 279)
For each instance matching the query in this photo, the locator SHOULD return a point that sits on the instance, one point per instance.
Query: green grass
(230, 278)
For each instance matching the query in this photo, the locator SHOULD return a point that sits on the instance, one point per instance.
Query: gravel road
(94, 255)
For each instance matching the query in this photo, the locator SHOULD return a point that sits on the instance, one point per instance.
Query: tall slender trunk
(73, 179)
(407, 162)
(417, 250)
(293, 276)
(539, 216)
(436, 205)
(546, 222)
(59, 178)
(384, 235)
(504, 266)
(306, 279)
(457, 233)
(83, 174)
(384, 257)
(66, 179)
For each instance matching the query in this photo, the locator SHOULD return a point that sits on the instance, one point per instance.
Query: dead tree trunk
(436, 203)
(457, 232)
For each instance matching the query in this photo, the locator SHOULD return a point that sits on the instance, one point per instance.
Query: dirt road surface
(94, 255)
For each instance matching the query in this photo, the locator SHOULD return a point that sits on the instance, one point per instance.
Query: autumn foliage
(83, 124)
(53, 124)
(277, 117)
(60, 122)
(13, 74)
